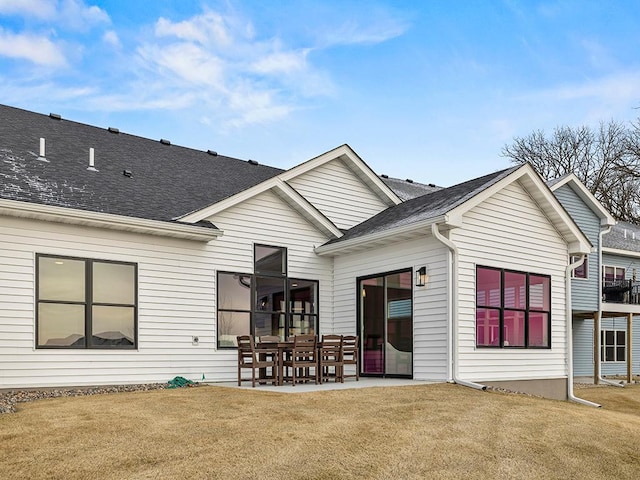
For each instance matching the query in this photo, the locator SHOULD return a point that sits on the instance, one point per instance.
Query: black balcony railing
(621, 291)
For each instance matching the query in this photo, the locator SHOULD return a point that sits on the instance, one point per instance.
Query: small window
(583, 270)
(84, 303)
(613, 345)
(270, 260)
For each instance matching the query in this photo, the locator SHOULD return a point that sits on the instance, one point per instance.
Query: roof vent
(252, 162)
(92, 163)
(432, 185)
(113, 130)
(42, 157)
(127, 173)
(409, 180)
(384, 176)
(164, 141)
(55, 116)
(212, 152)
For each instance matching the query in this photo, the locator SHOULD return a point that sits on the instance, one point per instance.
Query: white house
(128, 260)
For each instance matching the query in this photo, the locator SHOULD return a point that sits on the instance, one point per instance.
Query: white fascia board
(606, 219)
(109, 221)
(377, 237)
(540, 193)
(622, 253)
(287, 193)
(355, 164)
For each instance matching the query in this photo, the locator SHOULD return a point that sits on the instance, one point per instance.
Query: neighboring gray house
(127, 260)
(605, 296)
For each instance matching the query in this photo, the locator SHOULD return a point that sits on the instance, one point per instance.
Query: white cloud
(282, 62)
(31, 8)
(111, 37)
(208, 28)
(37, 49)
(74, 14)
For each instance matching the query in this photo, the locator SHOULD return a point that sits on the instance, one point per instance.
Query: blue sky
(426, 90)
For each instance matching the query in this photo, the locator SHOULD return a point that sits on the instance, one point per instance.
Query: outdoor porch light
(421, 277)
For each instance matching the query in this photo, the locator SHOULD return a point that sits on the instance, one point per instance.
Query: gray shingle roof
(407, 189)
(430, 205)
(623, 236)
(167, 181)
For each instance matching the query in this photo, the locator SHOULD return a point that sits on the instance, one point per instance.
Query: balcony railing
(621, 291)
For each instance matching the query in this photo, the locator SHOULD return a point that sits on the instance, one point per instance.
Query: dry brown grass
(414, 432)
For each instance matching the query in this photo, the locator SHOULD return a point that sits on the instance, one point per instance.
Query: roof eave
(71, 216)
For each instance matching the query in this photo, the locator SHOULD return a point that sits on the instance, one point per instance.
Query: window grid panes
(513, 309)
(266, 302)
(613, 345)
(85, 303)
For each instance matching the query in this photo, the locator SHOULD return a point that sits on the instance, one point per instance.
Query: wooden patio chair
(351, 354)
(302, 358)
(260, 359)
(330, 357)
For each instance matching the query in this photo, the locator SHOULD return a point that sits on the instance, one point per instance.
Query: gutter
(596, 334)
(452, 324)
(569, 333)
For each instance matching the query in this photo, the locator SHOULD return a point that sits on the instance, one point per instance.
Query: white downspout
(452, 329)
(596, 335)
(569, 322)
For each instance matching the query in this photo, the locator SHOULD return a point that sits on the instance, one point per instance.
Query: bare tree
(606, 160)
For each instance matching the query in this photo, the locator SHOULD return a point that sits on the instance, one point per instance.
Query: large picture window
(267, 302)
(84, 303)
(513, 309)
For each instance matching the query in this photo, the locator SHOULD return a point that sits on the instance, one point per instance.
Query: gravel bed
(8, 399)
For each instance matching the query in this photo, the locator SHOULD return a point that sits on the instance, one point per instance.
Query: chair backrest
(332, 341)
(350, 343)
(305, 346)
(246, 349)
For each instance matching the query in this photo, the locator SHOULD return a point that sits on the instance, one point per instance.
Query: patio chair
(330, 357)
(302, 358)
(260, 359)
(351, 354)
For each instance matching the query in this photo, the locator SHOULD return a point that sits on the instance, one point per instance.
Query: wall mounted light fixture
(421, 277)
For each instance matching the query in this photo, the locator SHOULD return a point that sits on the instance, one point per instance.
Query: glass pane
(488, 287)
(513, 328)
(60, 325)
(610, 354)
(372, 311)
(232, 324)
(538, 329)
(269, 324)
(609, 337)
(303, 325)
(270, 294)
(399, 344)
(270, 260)
(620, 274)
(539, 292)
(487, 327)
(609, 273)
(620, 354)
(302, 296)
(234, 291)
(113, 326)
(61, 279)
(515, 290)
(114, 283)
(621, 337)
(581, 271)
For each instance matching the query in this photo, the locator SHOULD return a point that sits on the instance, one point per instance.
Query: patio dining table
(283, 346)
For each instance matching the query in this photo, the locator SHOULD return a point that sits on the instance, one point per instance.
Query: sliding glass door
(386, 324)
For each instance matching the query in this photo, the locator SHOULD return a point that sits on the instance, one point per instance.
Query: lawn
(423, 431)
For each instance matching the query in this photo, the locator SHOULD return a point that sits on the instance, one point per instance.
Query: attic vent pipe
(113, 130)
(42, 157)
(92, 163)
(55, 116)
(384, 176)
(252, 162)
(432, 185)
(164, 141)
(409, 180)
(212, 152)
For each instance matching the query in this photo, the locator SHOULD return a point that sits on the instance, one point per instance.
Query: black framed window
(614, 345)
(513, 309)
(85, 303)
(266, 302)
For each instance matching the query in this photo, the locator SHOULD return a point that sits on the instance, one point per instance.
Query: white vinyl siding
(584, 292)
(338, 193)
(429, 302)
(176, 294)
(509, 231)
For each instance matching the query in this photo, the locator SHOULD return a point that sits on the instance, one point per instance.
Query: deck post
(596, 348)
(629, 347)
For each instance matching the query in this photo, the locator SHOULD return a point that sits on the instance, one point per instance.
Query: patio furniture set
(301, 358)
